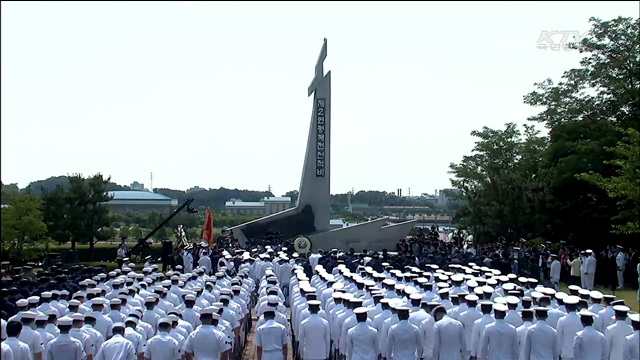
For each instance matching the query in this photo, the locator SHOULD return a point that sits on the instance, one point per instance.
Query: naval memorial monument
(310, 217)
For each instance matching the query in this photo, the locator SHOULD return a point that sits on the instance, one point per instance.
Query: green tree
(124, 231)
(625, 186)
(583, 112)
(77, 212)
(499, 182)
(109, 233)
(55, 209)
(22, 220)
(135, 232)
(9, 191)
(162, 234)
(194, 234)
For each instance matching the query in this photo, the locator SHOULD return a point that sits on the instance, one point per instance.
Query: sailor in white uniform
(362, 339)
(207, 342)
(500, 339)
(314, 334)
(568, 326)
(65, 347)
(589, 344)
(632, 342)
(118, 347)
(19, 350)
(527, 322)
(404, 340)
(31, 337)
(271, 338)
(616, 333)
(449, 340)
(621, 264)
(542, 340)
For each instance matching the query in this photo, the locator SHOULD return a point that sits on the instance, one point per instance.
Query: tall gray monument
(316, 173)
(311, 215)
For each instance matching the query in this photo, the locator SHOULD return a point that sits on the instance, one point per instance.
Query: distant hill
(214, 198)
(37, 187)
(211, 198)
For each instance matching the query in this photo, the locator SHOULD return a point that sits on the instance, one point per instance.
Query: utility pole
(151, 182)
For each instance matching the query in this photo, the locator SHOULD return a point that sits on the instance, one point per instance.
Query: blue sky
(215, 94)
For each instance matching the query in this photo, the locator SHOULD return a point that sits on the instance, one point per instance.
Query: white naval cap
(617, 308)
(29, 315)
(361, 310)
(65, 321)
(500, 307)
(571, 300)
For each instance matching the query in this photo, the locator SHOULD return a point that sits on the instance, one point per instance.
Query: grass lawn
(630, 296)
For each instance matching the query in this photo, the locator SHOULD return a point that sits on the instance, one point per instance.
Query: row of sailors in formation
(379, 316)
(188, 316)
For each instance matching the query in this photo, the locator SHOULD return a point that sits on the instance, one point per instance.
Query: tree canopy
(76, 212)
(22, 220)
(582, 181)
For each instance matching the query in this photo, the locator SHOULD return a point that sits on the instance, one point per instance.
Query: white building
(266, 206)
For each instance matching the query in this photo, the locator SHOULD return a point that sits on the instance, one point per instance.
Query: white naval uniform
(118, 348)
(46, 339)
(162, 346)
(513, 318)
(103, 324)
(541, 342)
(6, 352)
(272, 338)
(206, 342)
(499, 341)
(87, 342)
(589, 271)
(19, 349)
(615, 336)
(467, 319)
(33, 340)
(136, 339)
(187, 259)
(632, 347)
(478, 330)
(590, 344)
(65, 347)
(621, 264)
(314, 336)
(522, 337)
(362, 342)
(449, 341)
(94, 334)
(568, 327)
(404, 342)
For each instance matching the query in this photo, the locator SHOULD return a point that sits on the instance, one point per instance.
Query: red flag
(207, 232)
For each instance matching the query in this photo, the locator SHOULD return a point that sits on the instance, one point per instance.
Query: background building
(137, 186)
(140, 201)
(266, 206)
(195, 189)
